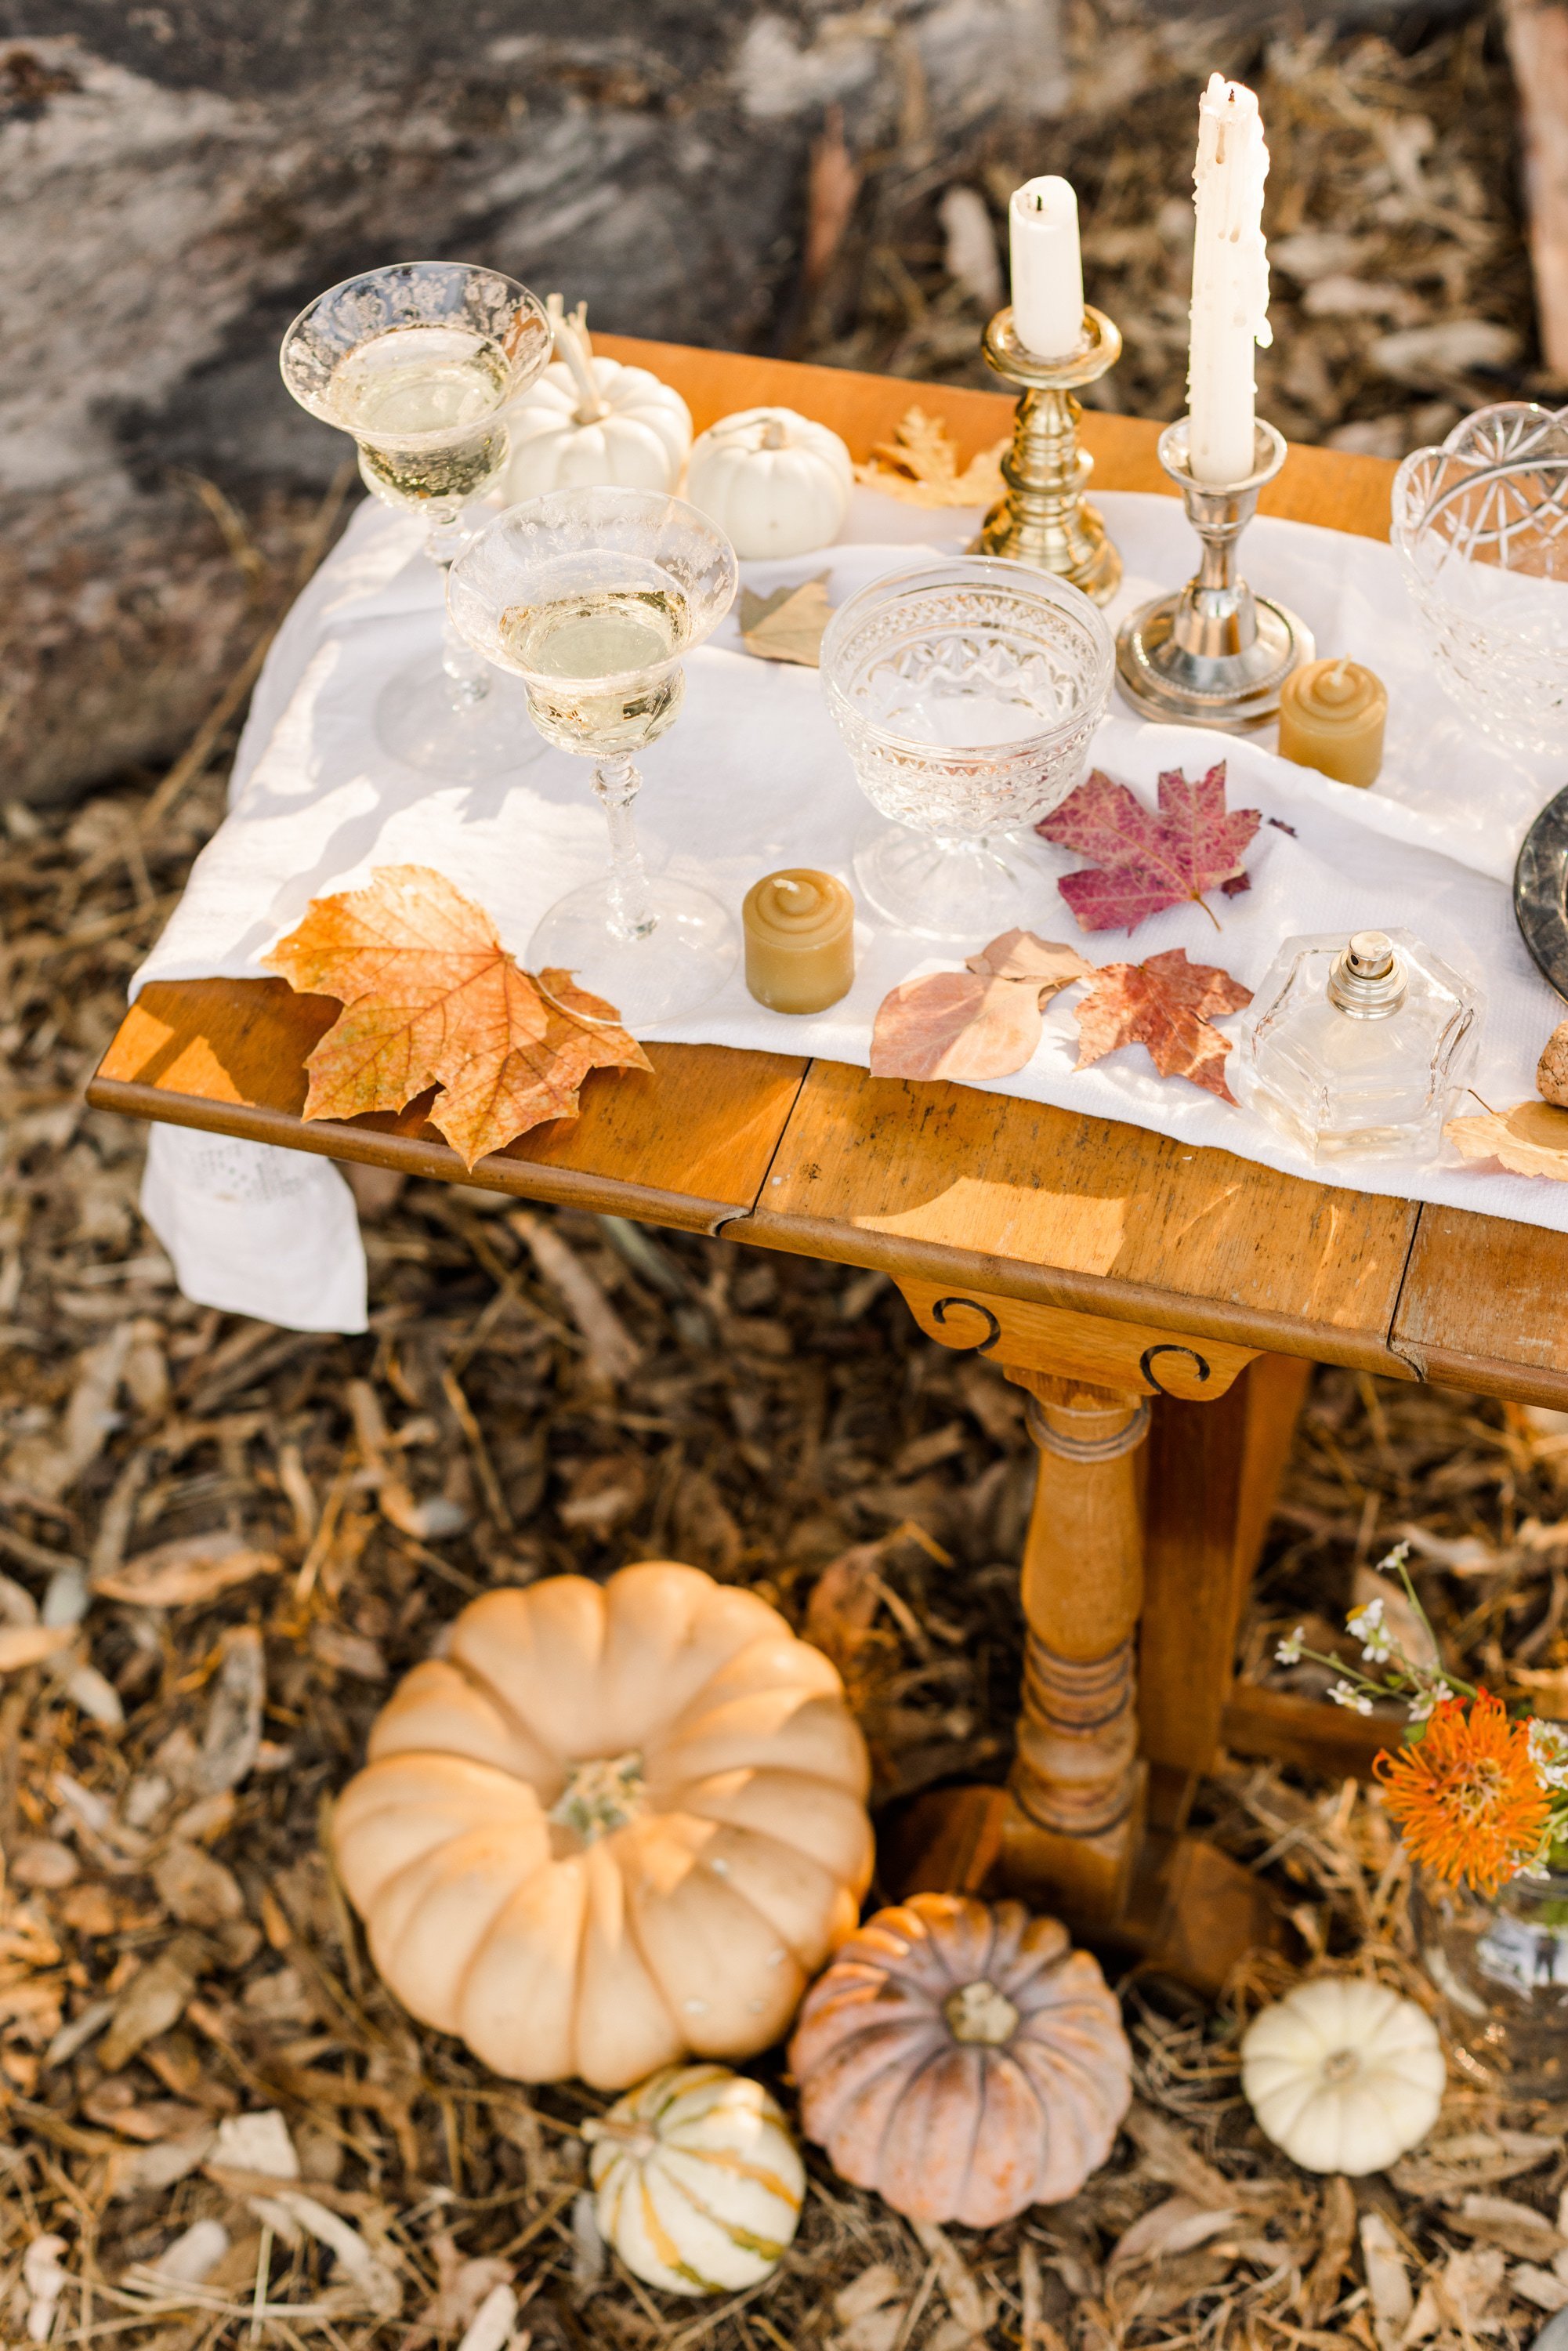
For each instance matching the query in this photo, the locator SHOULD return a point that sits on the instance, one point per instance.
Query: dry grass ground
(173, 1954)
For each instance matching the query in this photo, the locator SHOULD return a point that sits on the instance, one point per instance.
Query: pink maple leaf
(1146, 862)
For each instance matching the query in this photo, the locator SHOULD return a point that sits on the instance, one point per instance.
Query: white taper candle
(1047, 269)
(1230, 282)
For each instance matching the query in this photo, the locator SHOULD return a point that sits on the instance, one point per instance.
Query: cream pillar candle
(800, 931)
(1230, 282)
(1332, 716)
(1047, 267)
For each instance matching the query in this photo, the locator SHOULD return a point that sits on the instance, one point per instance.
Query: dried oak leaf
(981, 1022)
(920, 466)
(788, 625)
(1530, 1139)
(431, 997)
(1164, 1004)
(1148, 861)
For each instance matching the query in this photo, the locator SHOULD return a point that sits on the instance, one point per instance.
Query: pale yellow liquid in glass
(613, 633)
(418, 380)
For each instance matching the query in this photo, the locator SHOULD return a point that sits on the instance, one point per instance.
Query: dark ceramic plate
(1541, 891)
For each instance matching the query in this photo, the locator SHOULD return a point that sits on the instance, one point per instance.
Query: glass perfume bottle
(1358, 1048)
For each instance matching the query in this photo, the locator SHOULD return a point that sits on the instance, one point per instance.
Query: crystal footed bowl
(1481, 528)
(966, 693)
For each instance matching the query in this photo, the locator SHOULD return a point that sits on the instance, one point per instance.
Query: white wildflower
(1420, 1707)
(1357, 1700)
(1289, 1651)
(1392, 1561)
(1549, 1752)
(1367, 1624)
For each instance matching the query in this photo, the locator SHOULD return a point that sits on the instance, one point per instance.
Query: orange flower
(1466, 1794)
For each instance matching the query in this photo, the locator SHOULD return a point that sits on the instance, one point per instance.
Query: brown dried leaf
(1503, 2221)
(920, 466)
(29, 1645)
(954, 1024)
(1020, 955)
(431, 997)
(1176, 2225)
(1164, 1004)
(183, 1573)
(1337, 2222)
(1530, 1139)
(980, 1022)
(788, 625)
(151, 2002)
(194, 1888)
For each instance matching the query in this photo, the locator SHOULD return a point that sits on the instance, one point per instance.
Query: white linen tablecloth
(753, 776)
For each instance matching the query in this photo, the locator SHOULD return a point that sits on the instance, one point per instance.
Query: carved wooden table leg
(1069, 1833)
(1076, 1820)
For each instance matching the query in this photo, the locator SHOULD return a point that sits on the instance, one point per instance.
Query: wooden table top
(935, 1181)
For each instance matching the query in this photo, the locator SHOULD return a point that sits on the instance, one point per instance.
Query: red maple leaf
(1164, 1004)
(1148, 861)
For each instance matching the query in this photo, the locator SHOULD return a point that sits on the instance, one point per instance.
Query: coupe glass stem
(632, 915)
(467, 671)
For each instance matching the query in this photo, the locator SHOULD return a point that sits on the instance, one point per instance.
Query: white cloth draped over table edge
(753, 776)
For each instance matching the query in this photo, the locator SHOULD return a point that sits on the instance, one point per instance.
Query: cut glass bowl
(1481, 528)
(966, 693)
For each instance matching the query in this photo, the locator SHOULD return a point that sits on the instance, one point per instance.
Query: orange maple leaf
(431, 997)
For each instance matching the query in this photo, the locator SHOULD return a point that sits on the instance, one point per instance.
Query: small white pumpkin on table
(589, 422)
(698, 2183)
(1343, 2075)
(776, 483)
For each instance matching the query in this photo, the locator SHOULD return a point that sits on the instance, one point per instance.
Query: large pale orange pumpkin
(963, 2061)
(612, 1826)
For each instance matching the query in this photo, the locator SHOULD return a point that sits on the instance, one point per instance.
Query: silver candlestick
(1213, 654)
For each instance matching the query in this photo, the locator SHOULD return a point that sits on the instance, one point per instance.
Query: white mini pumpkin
(1343, 2075)
(699, 2184)
(613, 1824)
(775, 482)
(588, 421)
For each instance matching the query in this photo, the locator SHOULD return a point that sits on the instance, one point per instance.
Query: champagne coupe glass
(592, 595)
(421, 362)
(966, 693)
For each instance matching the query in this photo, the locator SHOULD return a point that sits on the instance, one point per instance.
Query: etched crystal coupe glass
(421, 362)
(966, 693)
(592, 596)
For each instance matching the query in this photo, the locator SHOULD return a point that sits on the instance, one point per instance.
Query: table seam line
(1405, 1356)
(739, 1216)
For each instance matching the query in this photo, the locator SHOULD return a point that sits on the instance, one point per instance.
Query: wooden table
(1104, 1268)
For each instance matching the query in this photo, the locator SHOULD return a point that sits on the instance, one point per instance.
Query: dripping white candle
(1230, 282)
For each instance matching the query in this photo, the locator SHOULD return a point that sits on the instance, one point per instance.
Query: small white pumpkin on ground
(1343, 2075)
(698, 2183)
(590, 421)
(775, 482)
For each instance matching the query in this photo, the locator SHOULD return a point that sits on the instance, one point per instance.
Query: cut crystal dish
(966, 693)
(1481, 528)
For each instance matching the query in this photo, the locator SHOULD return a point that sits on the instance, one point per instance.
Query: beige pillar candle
(1332, 714)
(800, 931)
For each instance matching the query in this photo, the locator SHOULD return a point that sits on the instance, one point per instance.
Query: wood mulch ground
(175, 1960)
(173, 1954)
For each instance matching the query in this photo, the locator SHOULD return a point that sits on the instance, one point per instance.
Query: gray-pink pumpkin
(961, 2059)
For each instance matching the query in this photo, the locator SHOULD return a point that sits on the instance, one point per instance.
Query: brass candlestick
(1213, 654)
(1043, 517)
